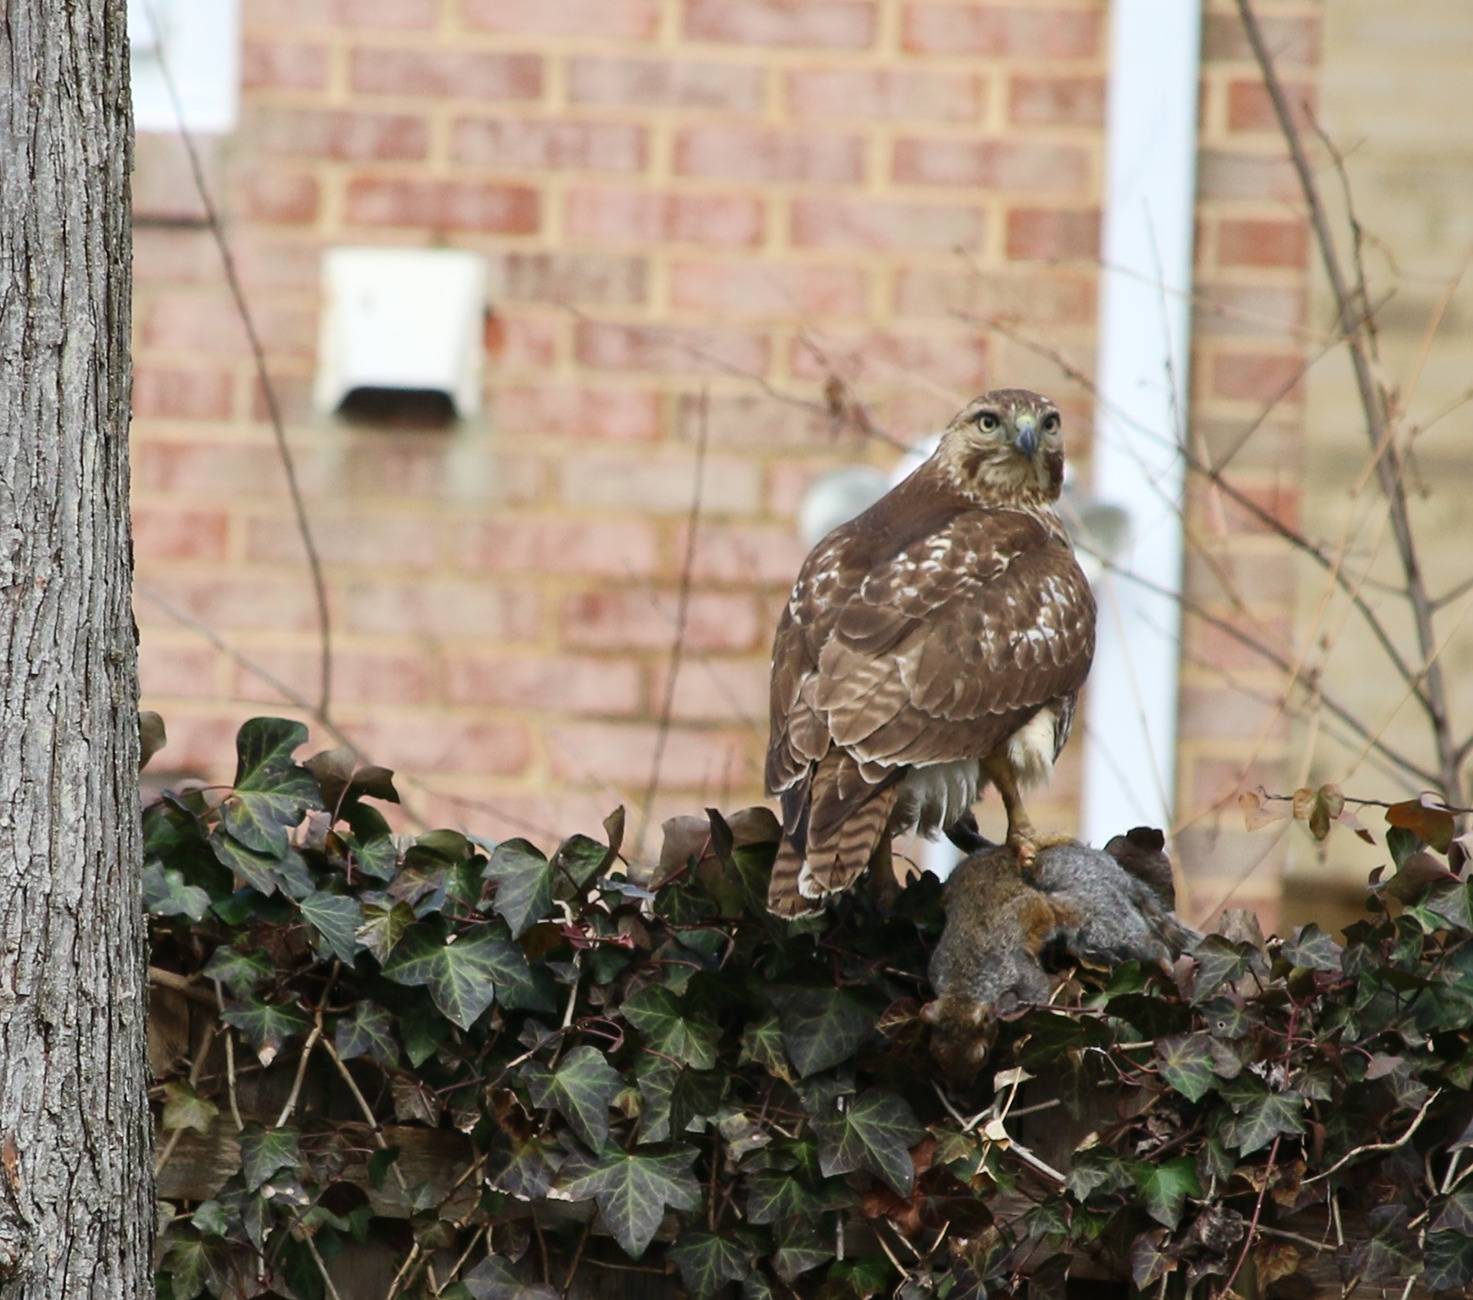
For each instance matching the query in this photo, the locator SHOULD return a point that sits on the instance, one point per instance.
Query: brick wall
(688, 207)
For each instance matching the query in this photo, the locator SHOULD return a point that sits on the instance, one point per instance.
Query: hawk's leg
(1022, 838)
(966, 836)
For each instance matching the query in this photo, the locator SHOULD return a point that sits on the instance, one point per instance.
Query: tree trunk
(76, 1182)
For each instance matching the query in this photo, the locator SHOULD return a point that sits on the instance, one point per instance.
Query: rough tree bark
(76, 1183)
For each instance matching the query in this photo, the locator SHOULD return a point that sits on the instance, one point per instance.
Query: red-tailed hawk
(933, 645)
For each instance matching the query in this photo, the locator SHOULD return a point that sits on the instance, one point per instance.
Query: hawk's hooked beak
(1027, 435)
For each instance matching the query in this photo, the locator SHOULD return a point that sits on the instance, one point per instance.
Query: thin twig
(1369, 1147)
(229, 1061)
(263, 376)
(1268, 1177)
(1373, 404)
(321, 1267)
(682, 615)
(291, 1100)
(184, 985)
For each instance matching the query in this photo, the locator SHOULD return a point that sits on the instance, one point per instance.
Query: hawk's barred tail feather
(783, 897)
(833, 864)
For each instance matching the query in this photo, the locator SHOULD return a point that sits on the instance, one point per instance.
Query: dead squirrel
(1007, 929)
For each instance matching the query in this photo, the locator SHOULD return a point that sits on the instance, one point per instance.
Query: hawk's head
(1006, 444)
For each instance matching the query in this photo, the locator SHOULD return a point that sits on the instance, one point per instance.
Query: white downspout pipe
(1144, 346)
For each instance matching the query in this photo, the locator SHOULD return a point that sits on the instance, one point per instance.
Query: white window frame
(198, 42)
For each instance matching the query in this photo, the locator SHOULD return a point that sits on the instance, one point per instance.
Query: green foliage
(666, 1073)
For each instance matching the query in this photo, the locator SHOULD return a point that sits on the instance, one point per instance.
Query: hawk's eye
(987, 422)
(1051, 422)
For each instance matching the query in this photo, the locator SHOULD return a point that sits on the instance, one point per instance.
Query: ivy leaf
(523, 1167)
(1427, 818)
(374, 856)
(821, 1027)
(492, 1279)
(632, 1191)
(271, 792)
(212, 1219)
(1260, 1115)
(165, 893)
(152, 736)
(579, 860)
(1447, 1262)
(192, 1264)
(1313, 949)
(266, 1025)
(762, 1044)
(1186, 1063)
(1164, 1187)
(383, 926)
(523, 880)
(241, 972)
(774, 1196)
(708, 1262)
(800, 1247)
(342, 775)
(264, 1151)
(1221, 961)
(875, 1131)
(185, 1108)
(1097, 1169)
(581, 1090)
(657, 1015)
(461, 975)
(337, 919)
(1151, 1258)
(367, 1030)
(264, 872)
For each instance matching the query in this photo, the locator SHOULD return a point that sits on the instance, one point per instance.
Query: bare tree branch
(1374, 404)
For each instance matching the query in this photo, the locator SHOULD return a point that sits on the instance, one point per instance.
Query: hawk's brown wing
(932, 650)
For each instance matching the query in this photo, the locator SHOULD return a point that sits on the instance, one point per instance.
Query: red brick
(1209, 647)
(359, 676)
(512, 144)
(822, 24)
(268, 260)
(1278, 500)
(417, 744)
(1248, 309)
(273, 15)
(1290, 40)
(237, 469)
(1001, 31)
(562, 411)
(622, 754)
(766, 154)
(345, 135)
(283, 65)
(443, 205)
(746, 554)
(174, 255)
(958, 360)
(583, 684)
(176, 670)
(172, 533)
(1255, 178)
(768, 289)
(168, 394)
(1258, 377)
(199, 323)
(348, 541)
(651, 483)
(437, 609)
(752, 421)
(711, 689)
(640, 619)
(1059, 298)
(602, 278)
(163, 184)
(1262, 242)
(1226, 715)
(1053, 234)
(670, 349)
(650, 217)
(226, 602)
(266, 193)
(528, 343)
(884, 94)
(620, 549)
(1070, 100)
(879, 225)
(992, 164)
(444, 73)
(631, 19)
(665, 83)
(1250, 109)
